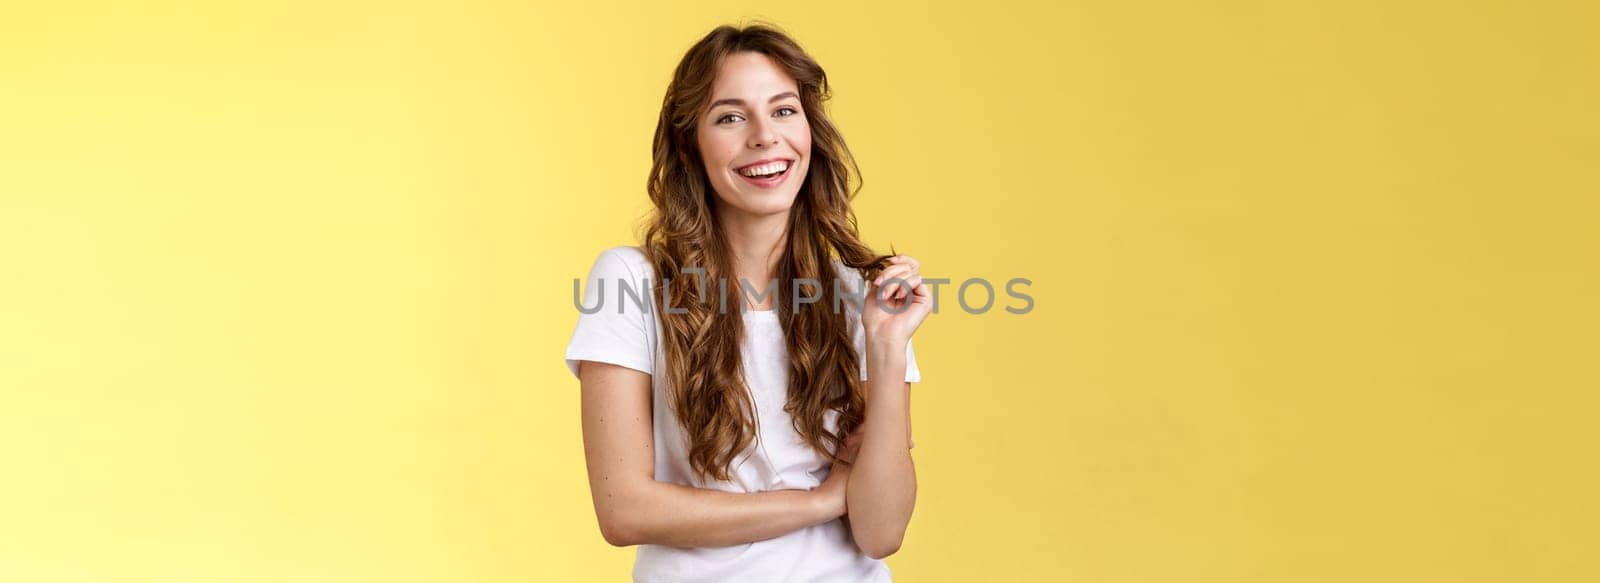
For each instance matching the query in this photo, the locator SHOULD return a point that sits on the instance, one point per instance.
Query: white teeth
(765, 169)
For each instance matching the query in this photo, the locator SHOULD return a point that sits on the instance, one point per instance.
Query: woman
(730, 424)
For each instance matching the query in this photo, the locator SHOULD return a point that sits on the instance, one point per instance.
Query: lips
(771, 180)
(765, 162)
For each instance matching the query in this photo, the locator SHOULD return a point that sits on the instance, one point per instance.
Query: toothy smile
(765, 169)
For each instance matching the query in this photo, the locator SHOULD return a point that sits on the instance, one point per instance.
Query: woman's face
(754, 139)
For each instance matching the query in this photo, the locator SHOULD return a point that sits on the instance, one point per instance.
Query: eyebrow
(740, 102)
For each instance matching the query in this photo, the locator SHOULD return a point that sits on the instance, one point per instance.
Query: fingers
(923, 293)
(895, 284)
(906, 259)
(904, 268)
(851, 446)
(898, 264)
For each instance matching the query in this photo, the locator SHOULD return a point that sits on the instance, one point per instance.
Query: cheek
(801, 138)
(717, 153)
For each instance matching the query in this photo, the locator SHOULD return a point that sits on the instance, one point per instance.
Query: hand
(831, 492)
(909, 297)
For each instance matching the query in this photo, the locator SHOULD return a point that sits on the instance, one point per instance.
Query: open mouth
(766, 174)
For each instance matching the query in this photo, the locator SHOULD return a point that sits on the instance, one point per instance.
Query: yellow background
(286, 287)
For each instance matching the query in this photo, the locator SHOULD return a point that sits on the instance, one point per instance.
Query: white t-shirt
(776, 460)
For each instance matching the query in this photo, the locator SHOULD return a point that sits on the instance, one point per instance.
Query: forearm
(681, 516)
(883, 484)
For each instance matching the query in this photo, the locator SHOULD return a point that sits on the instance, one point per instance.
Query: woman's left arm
(882, 490)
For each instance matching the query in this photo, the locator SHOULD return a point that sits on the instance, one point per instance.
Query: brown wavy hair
(703, 367)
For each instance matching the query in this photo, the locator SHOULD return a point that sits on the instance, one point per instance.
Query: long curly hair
(703, 367)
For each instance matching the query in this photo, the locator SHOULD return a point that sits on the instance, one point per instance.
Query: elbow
(881, 550)
(617, 533)
(879, 545)
(876, 541)
(619, 523)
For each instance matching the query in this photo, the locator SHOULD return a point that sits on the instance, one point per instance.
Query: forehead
(753, 77)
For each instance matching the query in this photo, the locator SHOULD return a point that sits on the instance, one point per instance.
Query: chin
(760, 203)
(769, 205)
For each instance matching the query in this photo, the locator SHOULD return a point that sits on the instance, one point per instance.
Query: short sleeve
(913, 374)
(618, 329)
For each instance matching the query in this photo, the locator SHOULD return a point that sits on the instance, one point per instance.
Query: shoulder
(622, 261)
(627, 255)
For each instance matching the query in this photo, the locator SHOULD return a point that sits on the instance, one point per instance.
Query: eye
(724, 119)
(792, 111)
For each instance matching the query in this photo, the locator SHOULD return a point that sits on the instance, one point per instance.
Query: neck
(755, 244)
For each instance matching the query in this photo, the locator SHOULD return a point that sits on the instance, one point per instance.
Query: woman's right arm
(633, 508)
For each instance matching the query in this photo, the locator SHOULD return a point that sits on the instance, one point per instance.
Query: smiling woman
(755, 135)
(732, 447)
(788, 135)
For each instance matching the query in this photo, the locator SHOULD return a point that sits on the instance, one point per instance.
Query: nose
(762, 135)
